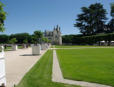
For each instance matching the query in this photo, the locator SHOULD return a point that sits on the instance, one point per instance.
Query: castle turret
(54, 36)
(57, 36)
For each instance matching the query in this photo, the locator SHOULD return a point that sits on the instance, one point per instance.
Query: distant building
(54, 36)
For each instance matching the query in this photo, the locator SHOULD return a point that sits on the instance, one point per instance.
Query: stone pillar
(2, 68)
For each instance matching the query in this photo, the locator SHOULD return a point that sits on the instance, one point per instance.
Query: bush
(88, 40)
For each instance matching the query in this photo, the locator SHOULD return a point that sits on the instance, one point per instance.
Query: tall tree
(112, 10)
(110, 26)
(92, 19)
(2, 17)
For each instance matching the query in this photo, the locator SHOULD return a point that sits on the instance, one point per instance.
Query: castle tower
(54, 36)
(59, 36)
(57, 39)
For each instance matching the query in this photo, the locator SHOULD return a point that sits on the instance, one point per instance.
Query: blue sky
(31, 15)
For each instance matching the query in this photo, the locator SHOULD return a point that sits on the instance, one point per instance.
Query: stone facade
(54, 36)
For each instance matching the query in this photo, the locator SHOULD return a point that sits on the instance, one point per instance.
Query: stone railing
(2, 68)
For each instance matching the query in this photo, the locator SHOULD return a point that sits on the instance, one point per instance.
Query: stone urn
(36, 49)
(14, 47)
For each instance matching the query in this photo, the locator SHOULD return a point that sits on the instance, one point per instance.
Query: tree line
(88, 40)
(24, 38)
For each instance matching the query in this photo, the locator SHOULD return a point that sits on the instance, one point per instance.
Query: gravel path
(18, 63)
(58, 77)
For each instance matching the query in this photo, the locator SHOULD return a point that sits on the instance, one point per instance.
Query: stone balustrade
(2, 68)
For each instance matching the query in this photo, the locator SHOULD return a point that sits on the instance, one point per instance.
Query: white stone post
(36, 50)
(2, 67)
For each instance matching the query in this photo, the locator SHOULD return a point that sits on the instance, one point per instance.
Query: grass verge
(40, 74)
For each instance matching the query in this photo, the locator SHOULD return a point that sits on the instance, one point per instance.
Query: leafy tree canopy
(13, 41)
(44, 39)
(37, 36)
(112, 9)
(21, 37)
(92, 19)
(2, 17)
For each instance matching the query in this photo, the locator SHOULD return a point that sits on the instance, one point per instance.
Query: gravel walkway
(58, 77)
(18, 63)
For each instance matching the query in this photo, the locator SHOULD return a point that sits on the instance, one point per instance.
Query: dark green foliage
(92, 19)
(2, 17)
(21, 37)
(112, 9)
(13, 41)
(4, 38)
(88, 40)
(37, 36)
(45, 40)
(110, 25)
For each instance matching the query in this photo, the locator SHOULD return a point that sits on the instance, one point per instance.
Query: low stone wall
(2, 68)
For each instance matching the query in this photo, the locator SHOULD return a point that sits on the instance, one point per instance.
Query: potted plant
(36, 48)
(13, 42)
(25, 42)
(44, 45)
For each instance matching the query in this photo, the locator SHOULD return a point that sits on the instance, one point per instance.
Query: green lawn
(40, 74)
(9, 48)
(20, 47)
(90, 64)
(76, 46)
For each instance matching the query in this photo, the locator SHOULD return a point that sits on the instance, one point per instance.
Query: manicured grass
(40, 74)
(89, 64)
(9, 48)
(20, 47)
(76, 46)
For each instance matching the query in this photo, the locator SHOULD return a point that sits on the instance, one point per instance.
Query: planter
(14, 47)
(47, 46)
(43, 47)
(36, 50)
(2, 68)
(24, 46)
